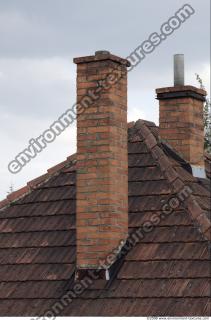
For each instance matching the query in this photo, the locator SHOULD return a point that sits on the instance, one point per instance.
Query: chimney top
(181, 116)
(100, 56)
(179, 70)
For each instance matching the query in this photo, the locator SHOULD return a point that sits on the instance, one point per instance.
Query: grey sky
(37, 77)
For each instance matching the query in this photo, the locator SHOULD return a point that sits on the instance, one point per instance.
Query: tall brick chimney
(181, 116)
(102, 159)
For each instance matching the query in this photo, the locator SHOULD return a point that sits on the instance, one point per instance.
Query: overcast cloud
(37, 76)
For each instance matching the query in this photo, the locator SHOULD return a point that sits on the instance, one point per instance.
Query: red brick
(181, 123)
(102, 181)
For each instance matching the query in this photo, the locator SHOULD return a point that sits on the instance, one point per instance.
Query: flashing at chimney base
(198, 172)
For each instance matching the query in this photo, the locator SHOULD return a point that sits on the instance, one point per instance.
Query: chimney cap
(181, 92)
(100, 56)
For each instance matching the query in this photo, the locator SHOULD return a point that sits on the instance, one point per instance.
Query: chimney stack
(181, 116)
(102, 159)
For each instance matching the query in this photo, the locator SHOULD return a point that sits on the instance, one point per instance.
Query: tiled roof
(167, 273)
(33, 184)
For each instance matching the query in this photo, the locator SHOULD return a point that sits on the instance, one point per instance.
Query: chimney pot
(179, 70)
(100, 52)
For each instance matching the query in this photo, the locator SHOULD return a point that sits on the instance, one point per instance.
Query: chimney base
(95, 274)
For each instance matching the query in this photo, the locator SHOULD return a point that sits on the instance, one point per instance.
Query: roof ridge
(176, 183)
(33, 184)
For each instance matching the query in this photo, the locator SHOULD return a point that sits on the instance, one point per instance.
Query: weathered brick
(102, 177)
(181, 122)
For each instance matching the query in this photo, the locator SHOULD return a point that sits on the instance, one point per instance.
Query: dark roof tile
(37, 239)
(176, 218)
(156, 288)
(164, 269)
(169, 251)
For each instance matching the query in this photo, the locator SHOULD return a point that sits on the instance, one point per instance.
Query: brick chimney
(181, 116)
(102, 158)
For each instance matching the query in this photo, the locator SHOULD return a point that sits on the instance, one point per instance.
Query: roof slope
(167, 272)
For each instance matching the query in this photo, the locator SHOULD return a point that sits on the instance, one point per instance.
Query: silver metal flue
(179, 73)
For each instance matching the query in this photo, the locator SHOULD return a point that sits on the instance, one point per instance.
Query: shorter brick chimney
(102, 159)
(181, 116)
